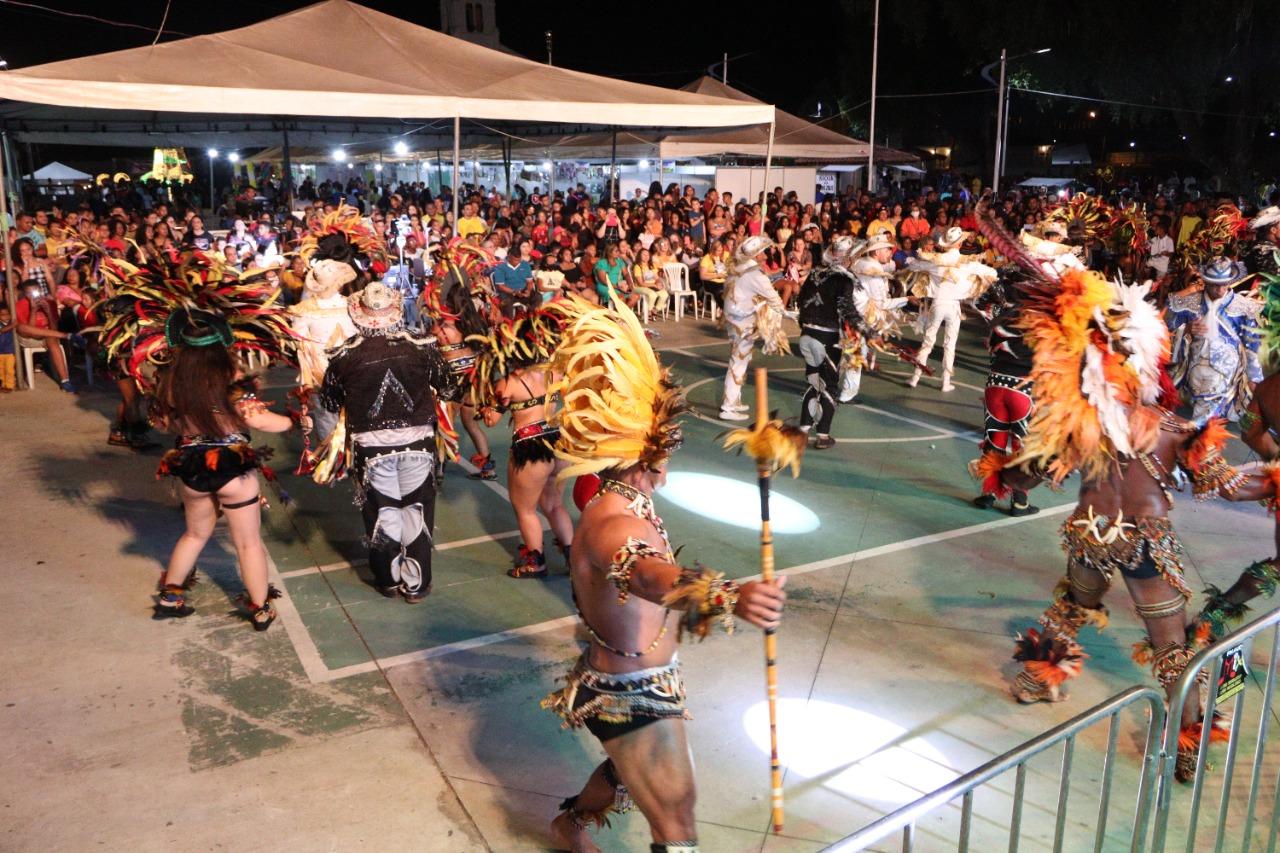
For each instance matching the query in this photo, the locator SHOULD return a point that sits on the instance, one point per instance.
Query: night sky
(663, 43)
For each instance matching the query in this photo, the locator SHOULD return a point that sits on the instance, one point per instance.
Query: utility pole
(724, 68)
(871, 140)
(547, 36)
(1000, 96)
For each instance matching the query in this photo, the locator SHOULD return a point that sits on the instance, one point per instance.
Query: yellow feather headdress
(620, 405)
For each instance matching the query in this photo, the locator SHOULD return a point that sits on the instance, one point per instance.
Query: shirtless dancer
(634, 599)
(1126, 448)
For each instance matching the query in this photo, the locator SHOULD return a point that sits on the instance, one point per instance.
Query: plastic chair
(677, 278)
(31, 346)
(709, 305)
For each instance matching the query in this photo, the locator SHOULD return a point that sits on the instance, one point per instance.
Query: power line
(1134, 105)
(92, 18)
(164, 20)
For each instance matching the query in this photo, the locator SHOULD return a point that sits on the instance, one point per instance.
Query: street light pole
(1000, 95)
(871, 132)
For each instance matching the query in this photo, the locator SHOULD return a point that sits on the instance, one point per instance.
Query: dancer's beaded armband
(624, 563)
(705, 598)
(1210, 473)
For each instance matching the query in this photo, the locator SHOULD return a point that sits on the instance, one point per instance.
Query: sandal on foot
(529, 564)
(264, 614)
(171, 603)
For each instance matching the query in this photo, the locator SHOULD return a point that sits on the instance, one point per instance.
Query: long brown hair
(195, 387)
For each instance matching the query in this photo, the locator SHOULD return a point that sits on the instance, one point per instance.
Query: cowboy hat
(375, 307)
(882, 240)
(1222, 271)
(745, 256)
(954, 237)
(1266, 217)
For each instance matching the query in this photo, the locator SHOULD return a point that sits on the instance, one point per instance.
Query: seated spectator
(713, 269)
(37, 318)
(611, 271)
(649, 281)
(26, 267)
(513, 278)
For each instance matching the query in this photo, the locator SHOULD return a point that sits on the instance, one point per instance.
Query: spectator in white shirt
(1161, 249)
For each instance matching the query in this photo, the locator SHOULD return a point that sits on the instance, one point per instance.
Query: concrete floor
(359, 723)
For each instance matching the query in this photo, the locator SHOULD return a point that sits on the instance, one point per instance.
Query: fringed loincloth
(1138, 548)
(611, 704)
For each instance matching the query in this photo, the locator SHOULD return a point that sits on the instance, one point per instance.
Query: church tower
(473, 20)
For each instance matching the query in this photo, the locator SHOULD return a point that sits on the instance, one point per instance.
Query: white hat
(1266, 216)
(881, 240)
(842, 250)
(1054, 226)
(751, 247)
(375, 307)
(954, 237)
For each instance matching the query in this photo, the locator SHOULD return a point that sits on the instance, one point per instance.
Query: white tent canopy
(1046, 182)
(794, 138)
(336, 58)
(56, 171)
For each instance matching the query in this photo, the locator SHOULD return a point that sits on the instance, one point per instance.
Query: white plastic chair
(677, 279)
(31, 346)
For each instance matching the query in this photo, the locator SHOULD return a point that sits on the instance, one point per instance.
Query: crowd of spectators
(543, 244)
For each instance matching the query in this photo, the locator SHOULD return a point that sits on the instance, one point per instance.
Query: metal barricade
(904, 820)
(1211, 661)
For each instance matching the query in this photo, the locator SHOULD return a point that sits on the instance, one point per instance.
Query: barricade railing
(1218, 669)
(905, 819)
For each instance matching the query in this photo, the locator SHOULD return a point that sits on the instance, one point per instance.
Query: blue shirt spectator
(512, 279)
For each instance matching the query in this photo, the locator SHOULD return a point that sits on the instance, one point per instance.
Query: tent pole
(287, 183)
(613, 169)
(457, 133)
(11, 285)
(768, 162)
(506, 165)
(439, 171)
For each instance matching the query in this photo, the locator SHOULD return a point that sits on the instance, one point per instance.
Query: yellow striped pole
(764, 470)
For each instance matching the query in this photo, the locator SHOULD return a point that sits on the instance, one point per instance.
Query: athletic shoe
(824, 442)
(66, 386)
(726, 415)
(1025, 509)
(915, 379)
(984, 501)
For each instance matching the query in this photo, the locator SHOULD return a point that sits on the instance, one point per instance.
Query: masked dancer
(753, 311)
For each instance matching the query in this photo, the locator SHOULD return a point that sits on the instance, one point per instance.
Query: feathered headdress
(147, 315)
(1088, 213)
(1217, 238)
(527, 340)
(620, 405)
(1100, 351)
(343, 236)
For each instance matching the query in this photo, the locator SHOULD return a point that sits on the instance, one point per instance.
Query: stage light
(546, 165)
(1271, 134)
(644, 164)
(351, 165)
(1230, 79)
(377, 167)
(1184, 137)
(735, 503)
(852, 752)
(233, 157)
(1133, 144)
(401, 148)
(339, 155)
(213, 153)
(1093, 113)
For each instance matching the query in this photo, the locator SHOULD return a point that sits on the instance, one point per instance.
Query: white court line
(447, 546)
(565, 621)
(303, 644)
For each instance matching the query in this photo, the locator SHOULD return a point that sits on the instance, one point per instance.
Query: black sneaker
(824, 442)
(984, 501)
(1019, 510)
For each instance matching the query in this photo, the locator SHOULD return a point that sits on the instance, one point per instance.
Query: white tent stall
(332, 67)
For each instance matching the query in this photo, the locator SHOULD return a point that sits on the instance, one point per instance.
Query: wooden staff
(764, 472)
(773, 445)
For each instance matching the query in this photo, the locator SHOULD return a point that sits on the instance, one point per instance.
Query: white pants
(943, 312)
(740, 347)
(851, 379)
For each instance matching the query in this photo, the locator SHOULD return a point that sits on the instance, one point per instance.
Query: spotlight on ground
(853, 752)
(735, 503)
